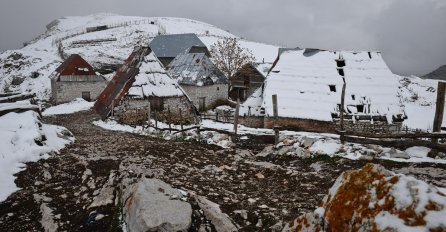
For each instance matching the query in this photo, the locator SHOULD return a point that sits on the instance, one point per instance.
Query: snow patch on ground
(76, 105)
(19, 135)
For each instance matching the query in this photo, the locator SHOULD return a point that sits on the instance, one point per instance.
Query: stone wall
(298, 124)
(210, 93)
(366, 126)
(68, 91)
(252, 121)
(134, 111)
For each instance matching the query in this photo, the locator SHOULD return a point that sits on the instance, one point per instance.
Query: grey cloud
(410, 33)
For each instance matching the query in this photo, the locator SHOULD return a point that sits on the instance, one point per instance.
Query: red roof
(75, 65)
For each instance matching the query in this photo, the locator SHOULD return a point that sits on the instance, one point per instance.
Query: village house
(167, 47)
(142, 82)
(203, 82)
(247, 80)
(75, 78)
(308, 84)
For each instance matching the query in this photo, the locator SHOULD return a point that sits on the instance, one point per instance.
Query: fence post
(234, 139)
(439, 108)
(341, 112)
(181, 119)
(169, 119)
(156, 119)
(148, 114)
(276, 119)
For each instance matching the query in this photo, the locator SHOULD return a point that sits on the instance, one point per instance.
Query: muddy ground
(67, 182)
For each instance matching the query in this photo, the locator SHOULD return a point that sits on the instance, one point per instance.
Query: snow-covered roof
(172, 45)
(153, 80)
(308, 85)
(195, 69)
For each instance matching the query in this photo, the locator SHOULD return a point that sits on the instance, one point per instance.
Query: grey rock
(307, 142)
(276, 227)
(212, 212)
(266, 152)
(149, 207)
(393, 153)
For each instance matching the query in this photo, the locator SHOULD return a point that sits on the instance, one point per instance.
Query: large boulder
(374, 199)
(152, 205)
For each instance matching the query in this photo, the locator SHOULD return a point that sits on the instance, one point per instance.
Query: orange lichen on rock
(375, 199)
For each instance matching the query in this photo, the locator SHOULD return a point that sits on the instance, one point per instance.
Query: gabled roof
(153, 80)
(195, 69)
(308, 85)
(141, 76)
(75, 65)
(173, 45)
(121, 82)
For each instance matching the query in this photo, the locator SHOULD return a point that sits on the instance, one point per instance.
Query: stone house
(140, 82)
(203, 82)
(247, 80)
(167, 47)
(75, 78)
(308, 84)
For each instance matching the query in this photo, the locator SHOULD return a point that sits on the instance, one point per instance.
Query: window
(340, 63)
(370, 55)
(341, 71)
(218, 88)
(360, 108)
(353, 97)
(332, 88)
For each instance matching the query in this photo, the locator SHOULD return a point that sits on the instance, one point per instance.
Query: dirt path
(59, 190)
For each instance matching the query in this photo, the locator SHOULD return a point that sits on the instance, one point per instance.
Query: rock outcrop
(375, 199)
(152, 205)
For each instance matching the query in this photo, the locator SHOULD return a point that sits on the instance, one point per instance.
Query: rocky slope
(437, 74)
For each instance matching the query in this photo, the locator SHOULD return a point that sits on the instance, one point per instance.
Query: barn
(247, 80)
(203, 82)
(142, 82)
(76, 78)
(167, 47)
(308, 84)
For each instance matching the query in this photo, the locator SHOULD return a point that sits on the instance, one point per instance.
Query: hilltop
(27, 69)
(437, 74)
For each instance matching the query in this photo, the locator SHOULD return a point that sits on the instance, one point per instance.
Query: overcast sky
(410, 33)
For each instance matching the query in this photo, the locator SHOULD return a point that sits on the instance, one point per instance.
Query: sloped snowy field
(18, 135)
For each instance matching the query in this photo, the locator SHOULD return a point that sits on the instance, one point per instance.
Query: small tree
(229, 57)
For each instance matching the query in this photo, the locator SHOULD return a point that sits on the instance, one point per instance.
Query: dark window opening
(340, 63)
(360, 108)
(353, 97)
(341, 71)
(202, 104)
(370, 55)
(86, 96)
(218, 88)
(197, 61)
(332, 88)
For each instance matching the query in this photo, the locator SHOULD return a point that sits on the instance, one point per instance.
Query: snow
(153, 80)
(18, 132)
(416, 194)
(76, 105)
(325, 147)
(418, 152)
(302, 80)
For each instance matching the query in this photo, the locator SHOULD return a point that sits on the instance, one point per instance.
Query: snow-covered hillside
(27, 69)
